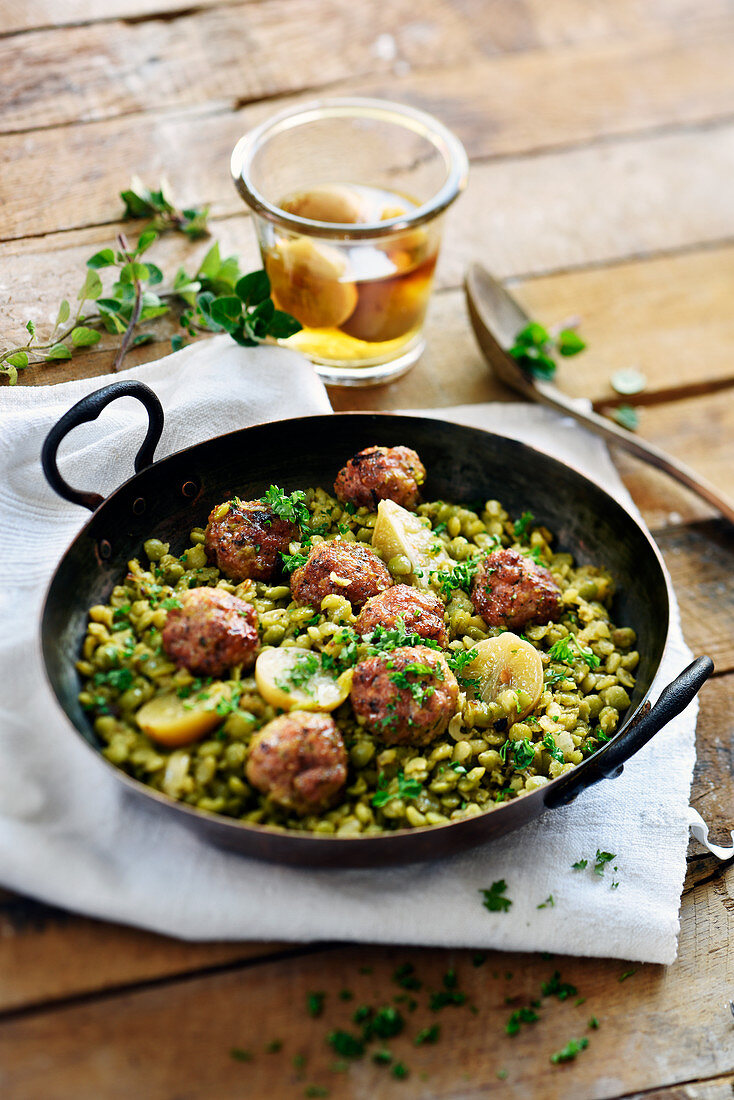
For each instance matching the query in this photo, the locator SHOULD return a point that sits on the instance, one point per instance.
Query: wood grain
(151, 1042)
(223, 55)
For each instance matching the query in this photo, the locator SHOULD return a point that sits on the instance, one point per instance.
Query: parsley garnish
(170, 603)
(307, 664)
(346, 1044)
(315, 1003)
(428, 1035)
(493, 897)
(292, 562)
(523, 753)
(547, 904)
(383, 639)
(521, 1016)
(400, 1070)
(579, 865)
(627, 974)
(445, 998)
(457, 662)
(291, 507)
(535, 347)
(554, 987)
(593, 1023)
(460, 575)
(601, 859)
(420, 692)
(569, 1052)
(550, 745)
(563, 650)
(120, 679)
(521, 525)
(240, 1055)
(405, 977)
(382, 1057)
(385, 1024)
(407, 788)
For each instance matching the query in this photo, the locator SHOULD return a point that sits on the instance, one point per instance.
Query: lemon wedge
(400, 533)
(293, 679)
(507, 664)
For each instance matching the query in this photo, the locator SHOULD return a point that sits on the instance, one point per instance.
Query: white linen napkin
(70, 837)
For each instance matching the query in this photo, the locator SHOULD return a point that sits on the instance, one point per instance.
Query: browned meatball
(248, 539)
(381, 473)
(299, 760)
(421, 612)
(510, 590)
(348, 569)
(211, 632)
(406, 697)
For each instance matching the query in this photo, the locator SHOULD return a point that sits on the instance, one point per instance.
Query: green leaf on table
(143, 338)
(64, 313)
(209, 267)
(58, 351)
(145, 240)
(18, 359)
(31, 327)
(177, 342)
(155, 275)
(91, 288)
(282, 325)
(253, 288)
(83, 337)
(227, 312)
(105, 258)
(533, 335)
(132, 271)
(569, 342)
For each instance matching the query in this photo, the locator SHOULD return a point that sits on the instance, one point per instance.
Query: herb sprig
(535, 348)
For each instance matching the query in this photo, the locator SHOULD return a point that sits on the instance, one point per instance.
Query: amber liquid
(359, 303)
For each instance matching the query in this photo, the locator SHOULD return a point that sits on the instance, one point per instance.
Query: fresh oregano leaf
(253, 288)
(58, 351)
(83, 337)
(105, 258)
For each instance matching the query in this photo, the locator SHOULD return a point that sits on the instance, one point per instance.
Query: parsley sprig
(289, 506)
(521, 753)
(570, 649)
(494, 897)
(406, 788)
(535, 348)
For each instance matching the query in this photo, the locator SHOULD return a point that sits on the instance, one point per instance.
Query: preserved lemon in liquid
(358, 301)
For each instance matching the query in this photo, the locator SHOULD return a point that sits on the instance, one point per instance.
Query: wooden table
(602, 150)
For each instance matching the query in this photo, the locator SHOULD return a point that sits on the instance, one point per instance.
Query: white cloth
(68, 836)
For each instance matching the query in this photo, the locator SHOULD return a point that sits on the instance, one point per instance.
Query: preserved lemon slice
(400, 533)
(507, 664)
(306, 281)
(172, 721)
(293, 679)
(333, 202)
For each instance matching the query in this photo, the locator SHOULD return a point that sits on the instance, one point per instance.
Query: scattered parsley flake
(291, 507)
(493, 897)
(554, 987)
(428, 1035)
(345, 1044)
(627, 974)
(446, 998)
(479, 959)
(601, 859)
(593, 1023)
(385, 1024)
(240, 1055)
(400, 1070)
(549, 903)
(407, 788)
(569, 1052)
(579, 865)
(274, 1046)
(382, 1057)
(521, 1016)
(315, 1003)
(520, 526)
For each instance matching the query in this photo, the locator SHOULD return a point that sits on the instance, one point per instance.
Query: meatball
(421, 613)
(348, 569)
(299, 761)
(406, 697)
(510, 590)
(211, 632)
(381, 473)
(246, 541)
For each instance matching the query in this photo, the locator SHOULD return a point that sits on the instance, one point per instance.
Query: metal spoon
(496, 318)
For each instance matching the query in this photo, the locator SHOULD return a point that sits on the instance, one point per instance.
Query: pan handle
(88, 409)
(609, 763)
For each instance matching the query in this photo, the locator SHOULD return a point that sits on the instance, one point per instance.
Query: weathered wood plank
(46, 955)
(151, 1041)
(512, 26)
(224, 55)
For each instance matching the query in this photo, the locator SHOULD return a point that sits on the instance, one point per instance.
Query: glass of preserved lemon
(348, 197)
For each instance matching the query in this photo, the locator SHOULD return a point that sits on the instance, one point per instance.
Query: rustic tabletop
(602, 150)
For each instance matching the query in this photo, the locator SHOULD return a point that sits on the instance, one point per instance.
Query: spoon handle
(648, 452)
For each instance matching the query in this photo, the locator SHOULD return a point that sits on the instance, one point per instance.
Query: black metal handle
(88, 409)
(609, 763)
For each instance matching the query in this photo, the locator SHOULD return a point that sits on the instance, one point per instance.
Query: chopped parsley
(291, 507)
(405, 977)
(400, 1070)
(119, 679)
(568, 649)
(554, 987)
(170, 602)
(420, 692)
(521, 525)
(385, 1024)
(569, 1052)
(382, 1057)
(627, 974)
(601, 859)
(445, 998)
(593, 1023)
(384, 639)
(522, 753)
(460, 575)
(428, 1035)
(315, 1003)
(274, 1046)
(240, 1055)
(292, 562)
(457, 662)
(550, 745)
(407, 788)
(346, 1044)
(549, 903)
(521, 1016)
(306, 666)
(579, 865)
(494, 898)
